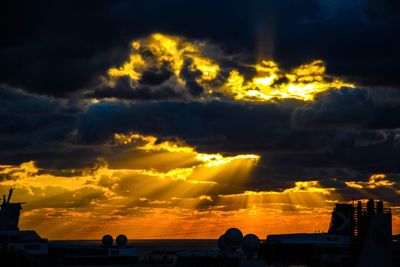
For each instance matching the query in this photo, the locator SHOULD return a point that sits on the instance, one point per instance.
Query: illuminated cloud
(91, 193)
(272, 83)
(191, 65)
(140, 196)
(206, 166)
(377, 180)
(200, 191)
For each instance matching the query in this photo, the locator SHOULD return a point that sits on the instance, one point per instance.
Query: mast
(9, 195)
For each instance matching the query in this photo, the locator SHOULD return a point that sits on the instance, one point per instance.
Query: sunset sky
(180, 119)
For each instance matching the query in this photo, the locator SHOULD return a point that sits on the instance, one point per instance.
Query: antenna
(10, 194)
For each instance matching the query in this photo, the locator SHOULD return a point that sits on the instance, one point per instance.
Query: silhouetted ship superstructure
(27, 248)
(357, 236)
(11, 238)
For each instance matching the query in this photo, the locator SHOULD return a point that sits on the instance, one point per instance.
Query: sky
(180, 119)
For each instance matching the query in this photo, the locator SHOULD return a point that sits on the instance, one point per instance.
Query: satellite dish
(233, 238)
(107, 240)
(250, 244)
(121, 240)
(221, 243)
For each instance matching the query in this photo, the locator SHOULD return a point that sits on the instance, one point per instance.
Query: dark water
(156, 244)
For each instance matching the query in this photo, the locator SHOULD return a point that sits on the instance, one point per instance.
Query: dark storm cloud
(155, 77)
(139, 93)
(240, 123)
(347, 134)
(344, 133)
(286, 125)
(351, 108)
(22, 113)
(38, 128)
(123, 89)
(60, 47)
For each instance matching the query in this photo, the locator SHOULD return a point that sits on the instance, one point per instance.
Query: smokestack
(370, 206)
(379, 207)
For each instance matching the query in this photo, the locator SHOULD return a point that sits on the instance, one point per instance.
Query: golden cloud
(376, 180)
(269, 83)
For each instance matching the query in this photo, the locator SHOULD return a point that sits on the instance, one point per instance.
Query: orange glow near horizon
(269, 83)
(169, 190)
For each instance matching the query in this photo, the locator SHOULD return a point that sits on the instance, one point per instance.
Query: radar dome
(121, 240)
(107, 240)
(221, 243)
(250, 244)
(233, 238)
